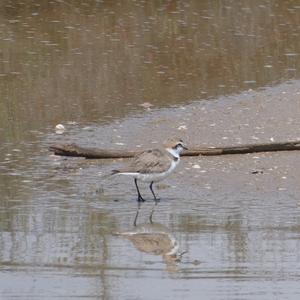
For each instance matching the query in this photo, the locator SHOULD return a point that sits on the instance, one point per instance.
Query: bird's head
(175, 145)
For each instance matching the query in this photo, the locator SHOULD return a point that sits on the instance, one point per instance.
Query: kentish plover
(154, 165)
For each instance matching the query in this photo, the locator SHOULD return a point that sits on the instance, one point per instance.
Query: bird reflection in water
(138, 212)
(156, 239)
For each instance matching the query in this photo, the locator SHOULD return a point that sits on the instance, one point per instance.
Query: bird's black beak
(185, 147)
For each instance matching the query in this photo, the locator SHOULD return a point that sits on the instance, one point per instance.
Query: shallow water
(123, 75)
(95, 61)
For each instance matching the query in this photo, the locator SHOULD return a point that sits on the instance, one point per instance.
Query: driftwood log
(78, 151)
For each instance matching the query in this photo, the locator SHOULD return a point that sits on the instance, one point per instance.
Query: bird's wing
(150, 161)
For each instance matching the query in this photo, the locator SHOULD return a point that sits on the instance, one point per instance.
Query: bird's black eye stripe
(177, 145)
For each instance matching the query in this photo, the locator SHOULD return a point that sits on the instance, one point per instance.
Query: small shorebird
(153, 166)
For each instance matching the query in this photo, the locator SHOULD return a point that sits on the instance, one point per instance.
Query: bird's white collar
(173, 152)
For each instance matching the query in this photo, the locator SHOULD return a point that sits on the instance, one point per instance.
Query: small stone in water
(182, 127)
(60, 129)
(146, 105)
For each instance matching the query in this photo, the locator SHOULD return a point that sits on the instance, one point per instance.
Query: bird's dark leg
(155, 198)
(156, 201)
(140, 198)
(137, 213)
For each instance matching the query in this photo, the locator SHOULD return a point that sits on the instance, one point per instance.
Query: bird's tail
(114, 172)
(109, 174)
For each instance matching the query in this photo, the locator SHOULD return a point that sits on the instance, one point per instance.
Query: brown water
(126, 74)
